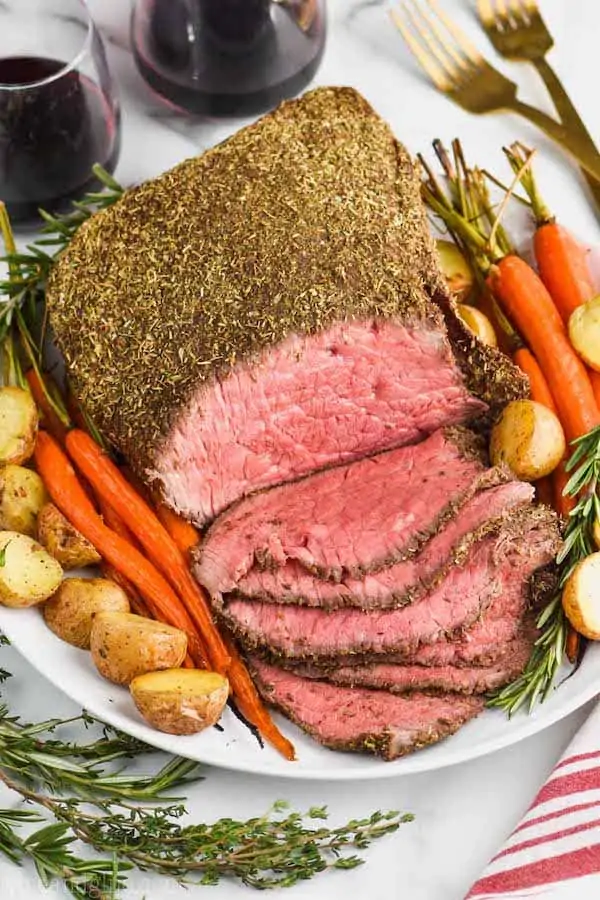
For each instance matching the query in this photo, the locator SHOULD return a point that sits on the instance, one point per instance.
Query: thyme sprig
(539, 676)
(85, 796)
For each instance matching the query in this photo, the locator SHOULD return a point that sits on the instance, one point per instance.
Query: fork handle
(568, 115)
(577, 145)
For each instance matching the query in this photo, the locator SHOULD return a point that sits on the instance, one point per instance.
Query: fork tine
(433, 34)
(468, 49)
(422, 56)
(486, 12)
(519, 11)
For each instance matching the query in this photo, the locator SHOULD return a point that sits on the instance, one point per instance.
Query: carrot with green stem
(109, 482)
(561, 259)
(538, 386)
(66, 491)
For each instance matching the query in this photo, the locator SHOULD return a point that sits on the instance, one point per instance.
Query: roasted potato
(70, 611)
(180, 701)
(584, 332)
(455, 268)
(581, 597)
(529, 438)
(22, 495)
(28, 574)
(124, 646)
(63, 541)
(479, 324)
(18, 425)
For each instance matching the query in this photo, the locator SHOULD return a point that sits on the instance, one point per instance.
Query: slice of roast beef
(399, 583)
(498, 560)
(348, 520)
(264, 310)
(378, 722)
(447, 678)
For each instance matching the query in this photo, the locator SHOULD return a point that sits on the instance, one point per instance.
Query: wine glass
(58, 109)
(228, 57)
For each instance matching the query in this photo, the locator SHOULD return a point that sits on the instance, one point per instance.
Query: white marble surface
(462, 813)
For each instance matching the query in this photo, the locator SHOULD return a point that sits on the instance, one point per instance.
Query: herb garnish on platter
(81, 794)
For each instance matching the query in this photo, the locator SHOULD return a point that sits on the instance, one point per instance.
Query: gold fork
(518, 32)
(457, 69)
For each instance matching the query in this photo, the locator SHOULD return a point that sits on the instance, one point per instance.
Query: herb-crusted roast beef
(377, 722)
(399, 583)
(347, 520)
(265, 310)
(497, 562)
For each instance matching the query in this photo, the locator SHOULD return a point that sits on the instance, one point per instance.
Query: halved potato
(18, 425)
(70, 611)
(28, 574)
(22, 495)
(180, 701)
(124, 646)
(455, 268)
(584, 332)
(529, 438)
(63, 541)
(479, 324)
(581, 597)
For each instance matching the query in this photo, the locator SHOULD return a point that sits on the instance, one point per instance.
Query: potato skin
(63, 541)
(180, 701)
(28, 574)
(124, 646)
(19, 421)
(529, 438)
(581, 597)
(584, 332)
(22, 496)
(70, 611)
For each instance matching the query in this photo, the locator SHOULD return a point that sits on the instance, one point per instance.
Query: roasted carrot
(244, 692)
(540, 392)
(561, 503)
(115, 522)
(109, 482)
(183, 533)
(572, 645)
(136, 602)
(251, 706)
(544, 491)
(74, 410)
(529, 306)
(50, 419)
(563, 265)
(68, 494)
(595, 379)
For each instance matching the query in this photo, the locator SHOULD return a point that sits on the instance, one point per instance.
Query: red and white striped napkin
(554, 852)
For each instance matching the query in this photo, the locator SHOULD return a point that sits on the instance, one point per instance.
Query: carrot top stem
(519, 158)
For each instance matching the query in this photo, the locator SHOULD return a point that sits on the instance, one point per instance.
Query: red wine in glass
(55, 123)
(228, 57)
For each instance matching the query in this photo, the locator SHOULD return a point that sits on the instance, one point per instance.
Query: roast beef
(400, 679)
(378, 722)
(265, 310)
(498, 562)
(348, 520)
(396, 584)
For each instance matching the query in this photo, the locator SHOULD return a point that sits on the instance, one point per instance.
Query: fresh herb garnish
(539, 676)
(82, 798)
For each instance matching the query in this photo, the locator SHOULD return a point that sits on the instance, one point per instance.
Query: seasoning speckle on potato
(124, 646)
(18, 425)
(22, 496)
(63, 541)
(28, 574)
(70, 612)
(529, 439)
(180, 701)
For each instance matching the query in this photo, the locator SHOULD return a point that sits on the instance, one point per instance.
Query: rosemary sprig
(29, 270)
(537, 680)
(84, 798)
